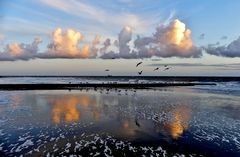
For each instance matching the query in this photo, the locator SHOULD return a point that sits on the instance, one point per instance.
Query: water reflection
(177, 122)
(71, 108)
(68, 108)
(121, 114)
(180, 122)
(65, 108)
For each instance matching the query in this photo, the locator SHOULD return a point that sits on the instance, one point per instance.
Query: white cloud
(171, 40)
(65, 44)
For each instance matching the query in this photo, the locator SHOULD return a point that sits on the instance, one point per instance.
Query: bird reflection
(136, 122)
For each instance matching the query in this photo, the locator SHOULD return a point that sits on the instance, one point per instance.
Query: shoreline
(94, 85)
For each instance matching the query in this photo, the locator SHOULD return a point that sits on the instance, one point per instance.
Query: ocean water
(173, 121)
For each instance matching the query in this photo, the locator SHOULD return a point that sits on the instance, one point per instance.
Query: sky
(85, 37)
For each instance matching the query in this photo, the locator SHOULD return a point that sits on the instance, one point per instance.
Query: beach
(164, 121)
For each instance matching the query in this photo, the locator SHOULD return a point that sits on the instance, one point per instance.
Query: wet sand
(170, 121)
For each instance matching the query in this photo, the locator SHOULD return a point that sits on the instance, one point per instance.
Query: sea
(165, 121)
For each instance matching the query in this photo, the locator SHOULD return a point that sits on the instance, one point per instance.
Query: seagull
(107, 70)
(156, 69)
(139, 64)
(140, 72)
(165, 65)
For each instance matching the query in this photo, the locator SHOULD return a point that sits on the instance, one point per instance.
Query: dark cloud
(232, 50)
(124, 37)
(105, 47)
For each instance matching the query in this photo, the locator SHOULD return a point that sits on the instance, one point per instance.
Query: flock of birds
(166, 67)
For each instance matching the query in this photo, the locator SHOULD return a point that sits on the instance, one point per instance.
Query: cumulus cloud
(142, 46)
(171, 40)
(168, 40)
(231, 50)
(174, 40)
(21, 51)
(105, 47)
(65, 44)
(124, 37)
(93, 47)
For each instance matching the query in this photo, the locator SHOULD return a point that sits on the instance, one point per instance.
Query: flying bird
(139, 64)
(156, 69)
(140, 72)
(107, 70)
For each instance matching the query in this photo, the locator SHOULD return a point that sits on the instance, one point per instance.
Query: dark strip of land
(92, 85)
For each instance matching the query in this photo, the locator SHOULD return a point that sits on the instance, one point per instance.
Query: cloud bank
(232, 50)
(168, 40)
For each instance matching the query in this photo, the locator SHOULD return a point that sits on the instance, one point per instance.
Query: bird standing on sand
(156, 69)
(167, 68)
(139, 64)
(140, 72)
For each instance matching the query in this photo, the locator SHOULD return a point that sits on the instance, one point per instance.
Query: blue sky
(209, 21)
